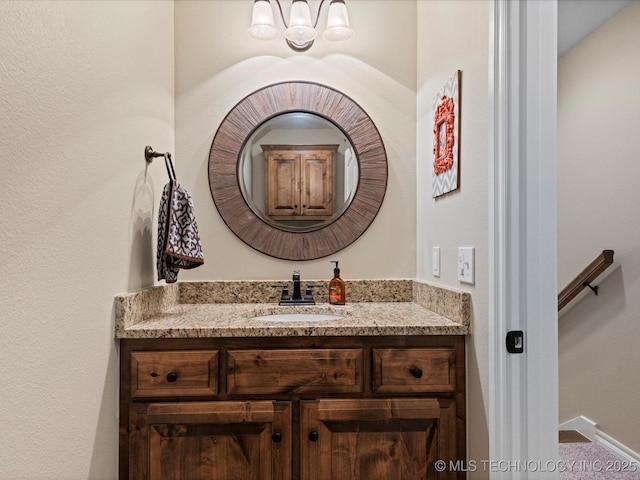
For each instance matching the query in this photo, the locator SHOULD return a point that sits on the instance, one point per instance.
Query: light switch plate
(466, 264)
(436, 262)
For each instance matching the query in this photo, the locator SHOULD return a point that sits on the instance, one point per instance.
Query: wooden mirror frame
(267, 103)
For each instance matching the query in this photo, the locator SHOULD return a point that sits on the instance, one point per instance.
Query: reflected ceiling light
(300, 32)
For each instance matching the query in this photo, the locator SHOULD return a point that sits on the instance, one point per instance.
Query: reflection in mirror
(298, 172)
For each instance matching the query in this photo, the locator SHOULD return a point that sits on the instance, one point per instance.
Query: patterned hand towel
(178, 238)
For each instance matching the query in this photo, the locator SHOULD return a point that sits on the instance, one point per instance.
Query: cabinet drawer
(414, 370)
(303, 370)
(174, 373)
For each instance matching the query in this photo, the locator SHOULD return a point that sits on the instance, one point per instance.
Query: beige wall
(83, 87)
(598, 198)
(455, 36)
(218, 64)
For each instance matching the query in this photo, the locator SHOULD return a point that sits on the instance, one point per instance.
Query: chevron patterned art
(446, 132)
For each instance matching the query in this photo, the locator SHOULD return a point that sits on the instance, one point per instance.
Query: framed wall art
(446, 133)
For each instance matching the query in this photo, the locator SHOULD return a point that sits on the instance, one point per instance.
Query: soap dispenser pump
(337, 291)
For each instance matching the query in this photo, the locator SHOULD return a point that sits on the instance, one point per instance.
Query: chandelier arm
(282, 14)
(318, 14)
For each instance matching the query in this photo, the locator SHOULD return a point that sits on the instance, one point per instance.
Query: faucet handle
(285, 290)
(308, 294)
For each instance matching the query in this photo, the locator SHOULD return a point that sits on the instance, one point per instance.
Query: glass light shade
(338, 28)
(262, 24)
(300, 28)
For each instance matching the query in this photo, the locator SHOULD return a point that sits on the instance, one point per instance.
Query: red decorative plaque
(443, 131)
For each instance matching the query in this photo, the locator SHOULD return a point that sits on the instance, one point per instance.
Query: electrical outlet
(436, 261)
(466, 264)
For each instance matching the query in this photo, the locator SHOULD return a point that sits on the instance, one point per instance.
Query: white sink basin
(297, 317)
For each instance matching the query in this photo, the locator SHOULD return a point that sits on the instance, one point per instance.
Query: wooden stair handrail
(584, 279)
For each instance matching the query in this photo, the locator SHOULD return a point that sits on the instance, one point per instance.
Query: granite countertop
(226, 309)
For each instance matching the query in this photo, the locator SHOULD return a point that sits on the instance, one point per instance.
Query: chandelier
(299, 31)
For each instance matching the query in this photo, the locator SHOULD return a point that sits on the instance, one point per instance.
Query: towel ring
(169, 164)
(149, 155)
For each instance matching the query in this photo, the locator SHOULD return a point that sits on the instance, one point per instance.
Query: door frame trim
(523, 423)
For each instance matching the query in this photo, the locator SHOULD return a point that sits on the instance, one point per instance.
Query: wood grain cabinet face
(398, 439)
(414, 370)
(300, 181)
(295, 370)
(212, 441)
(292, 408)
(172, 373)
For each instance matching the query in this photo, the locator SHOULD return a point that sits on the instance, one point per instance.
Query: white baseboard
(616, 448)
(589, 429)
(582, 425)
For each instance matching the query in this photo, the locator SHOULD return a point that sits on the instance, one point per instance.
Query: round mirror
(298, 172)
(313, 209)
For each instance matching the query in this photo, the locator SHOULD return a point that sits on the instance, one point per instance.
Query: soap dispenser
(337, 293)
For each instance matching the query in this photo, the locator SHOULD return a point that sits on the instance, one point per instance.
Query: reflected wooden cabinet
(300, 181)
(292, 408)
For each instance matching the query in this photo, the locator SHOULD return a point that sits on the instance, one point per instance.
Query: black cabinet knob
(172, 377)
(313, 436)
(416, 372)
(276, 437)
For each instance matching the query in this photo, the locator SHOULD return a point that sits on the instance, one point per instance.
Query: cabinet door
(317, 183)
(376, 439)
(212, 441)
(283, 184)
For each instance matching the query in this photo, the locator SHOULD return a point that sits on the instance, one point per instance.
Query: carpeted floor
(584, 460)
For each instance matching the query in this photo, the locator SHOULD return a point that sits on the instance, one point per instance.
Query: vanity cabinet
(292, 408)
(300, 181)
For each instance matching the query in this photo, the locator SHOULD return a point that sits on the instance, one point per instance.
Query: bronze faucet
(297, 298)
